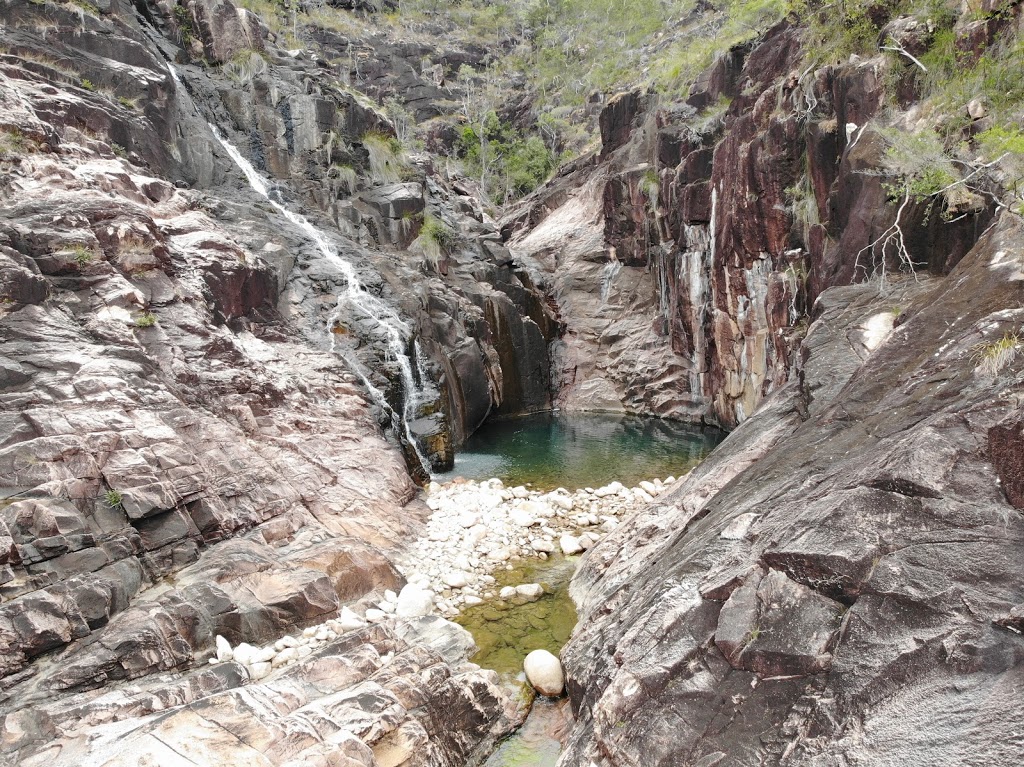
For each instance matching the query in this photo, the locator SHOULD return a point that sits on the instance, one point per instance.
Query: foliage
(12, 142)
(991, 357)
(186, 30)
(145, 320)
(386, 160)
(437, 231)
(436, 239)
(245, 66)
(346, 174)
(87, 84)
(113, 498)
(82, 255)
(127, 103)
(86, 6)
(650, 185)
(514, 164)
(920, 164)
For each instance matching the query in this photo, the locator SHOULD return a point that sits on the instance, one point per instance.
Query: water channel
(547, 451)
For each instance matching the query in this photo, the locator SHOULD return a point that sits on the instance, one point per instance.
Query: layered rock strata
(686, 254)
(840, 581)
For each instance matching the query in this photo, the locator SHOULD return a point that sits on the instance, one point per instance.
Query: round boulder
(544, 673)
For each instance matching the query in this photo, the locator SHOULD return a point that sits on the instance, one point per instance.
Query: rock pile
(479, 527)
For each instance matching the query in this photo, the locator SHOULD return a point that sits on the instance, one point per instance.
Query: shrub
(346, 174)
(386, 161)
(145, 320)
(245, 66)
(436, 239)
(112, 498)
(991, 357)
(512, 164)
(82, 255)
(87, 84)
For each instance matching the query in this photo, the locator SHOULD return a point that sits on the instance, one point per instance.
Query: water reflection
(581, 450)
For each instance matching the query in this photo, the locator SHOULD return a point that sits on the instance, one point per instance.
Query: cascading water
(608, 274)
(356, 301)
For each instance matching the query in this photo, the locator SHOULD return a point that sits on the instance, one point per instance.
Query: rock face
(187, 449)
(685, 257)
(839, 582)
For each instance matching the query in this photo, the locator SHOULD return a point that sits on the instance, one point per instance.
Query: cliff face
(184, 452)
(191, 446)
(686, 256)
(840, 582)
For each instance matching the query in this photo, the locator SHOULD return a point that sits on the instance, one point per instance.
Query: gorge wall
(686, 254)
(189, 446)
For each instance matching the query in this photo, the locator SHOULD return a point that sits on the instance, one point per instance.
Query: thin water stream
(355, 303)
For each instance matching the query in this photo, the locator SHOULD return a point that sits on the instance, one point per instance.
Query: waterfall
(357, 300)
(608, 275)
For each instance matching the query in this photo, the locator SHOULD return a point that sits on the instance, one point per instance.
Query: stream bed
(543, 452)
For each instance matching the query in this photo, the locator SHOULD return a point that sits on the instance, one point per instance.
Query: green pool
(550, 450)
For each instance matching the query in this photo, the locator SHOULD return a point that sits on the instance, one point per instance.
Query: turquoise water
(577, 450)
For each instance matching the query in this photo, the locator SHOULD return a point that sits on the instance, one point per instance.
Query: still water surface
(578, 450)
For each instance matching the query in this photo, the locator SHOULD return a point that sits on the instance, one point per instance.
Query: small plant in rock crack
(112, 498)
(82, 255)
(87, 84)
(145, 320)
(992, 356)
(436, 239)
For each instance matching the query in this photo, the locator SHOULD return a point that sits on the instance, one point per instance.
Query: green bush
(386, 159)
(112, 498)
(514, 165)
(145, 320)
(82, 255)
(436, 239)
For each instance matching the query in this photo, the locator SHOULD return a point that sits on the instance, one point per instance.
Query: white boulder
(414, 602)
(570, 545)
(223, 649)
(530, 590)
(544, 673)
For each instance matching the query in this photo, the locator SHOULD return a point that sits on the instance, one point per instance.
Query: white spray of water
(359, 303)
(608, 274)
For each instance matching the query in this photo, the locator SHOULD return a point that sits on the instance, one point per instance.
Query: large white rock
(258, 671)
(649, 487)
(570, 545)
(414, 602)
(522, 517)
(223, 648)
(456, 579)
(544, 672)
(244, 652)
(530, 590)
(561, 502)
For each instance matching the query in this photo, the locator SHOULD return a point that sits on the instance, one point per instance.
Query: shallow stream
(547, 451)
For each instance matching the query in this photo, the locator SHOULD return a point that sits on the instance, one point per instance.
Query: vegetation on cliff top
(556, 59)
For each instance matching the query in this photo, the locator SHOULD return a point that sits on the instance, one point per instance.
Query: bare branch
(903, 51)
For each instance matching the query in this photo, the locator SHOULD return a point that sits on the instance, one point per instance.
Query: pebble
(477, 528)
